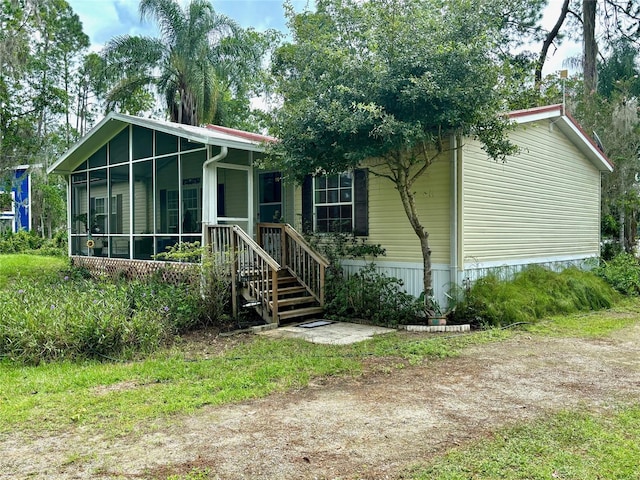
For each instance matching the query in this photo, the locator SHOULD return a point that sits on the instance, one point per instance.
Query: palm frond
(167, 14)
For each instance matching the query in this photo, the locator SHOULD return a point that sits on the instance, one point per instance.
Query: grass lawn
(569, 445)
(28, 266)
(118, 396)
(122, 397)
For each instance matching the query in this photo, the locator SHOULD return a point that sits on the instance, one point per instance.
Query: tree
(618, 19)
(360, 82)
(612, 112)
(200, 57)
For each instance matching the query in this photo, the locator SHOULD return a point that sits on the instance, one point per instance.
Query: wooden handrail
(284, 243)
(292, 232)
(249, 263)
(257, 248)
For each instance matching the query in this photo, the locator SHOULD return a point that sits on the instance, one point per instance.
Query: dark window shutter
(307, 204)
(361, 202)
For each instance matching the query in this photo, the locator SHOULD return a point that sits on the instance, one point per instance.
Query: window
(333, 203)
(336, 203)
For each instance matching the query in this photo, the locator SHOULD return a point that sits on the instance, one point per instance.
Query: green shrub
(30, 242)
(370, 295)
(535, 292)
(19, 242)
(207, 272)
(622, 272)
(75, 318)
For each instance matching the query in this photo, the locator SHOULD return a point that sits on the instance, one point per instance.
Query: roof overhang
(114, 122)
(570, 127)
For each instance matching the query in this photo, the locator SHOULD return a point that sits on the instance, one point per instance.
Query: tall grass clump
(622, 272)
(533, 293)
(76, 318)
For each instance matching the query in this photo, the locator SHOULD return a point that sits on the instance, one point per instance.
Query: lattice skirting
(119, 268)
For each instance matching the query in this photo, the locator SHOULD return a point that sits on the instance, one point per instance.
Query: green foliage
(30, 242)
(209, 271)
(570, 444)
(371, 295)
(368, 294)
(590, 324)
(336, 246)
(74, 318)
(29, 267)
(360, 83)
(203, 64)
(534, 293)
(195, 474)
(5, 201)
(622, 272)
(19, 242)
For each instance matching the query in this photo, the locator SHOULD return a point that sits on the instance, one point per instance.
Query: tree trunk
(621, 221)
(408, 202)
(590, 46)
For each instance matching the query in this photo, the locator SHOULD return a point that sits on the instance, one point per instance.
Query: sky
(104, 19)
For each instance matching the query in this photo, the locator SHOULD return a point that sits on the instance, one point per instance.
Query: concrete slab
(336, 333)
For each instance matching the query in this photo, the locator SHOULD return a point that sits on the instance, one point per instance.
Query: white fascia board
(596, 156)
(535, 116)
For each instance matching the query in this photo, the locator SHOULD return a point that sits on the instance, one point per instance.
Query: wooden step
(290, 290)
(287, 302)
(301, 312)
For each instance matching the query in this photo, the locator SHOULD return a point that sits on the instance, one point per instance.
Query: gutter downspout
(206, 201)
(453, 224)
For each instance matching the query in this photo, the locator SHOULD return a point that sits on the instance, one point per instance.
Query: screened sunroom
(138, 186)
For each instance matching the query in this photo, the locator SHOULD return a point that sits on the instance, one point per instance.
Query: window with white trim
(333, 203)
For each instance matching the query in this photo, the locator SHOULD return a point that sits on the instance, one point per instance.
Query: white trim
(453, 209)
(29, 202)
(470, 265)
(382, 262)
(537, 116)
(191, 133)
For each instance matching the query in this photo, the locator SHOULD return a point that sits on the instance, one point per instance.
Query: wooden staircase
(293, 300)
(280, 275)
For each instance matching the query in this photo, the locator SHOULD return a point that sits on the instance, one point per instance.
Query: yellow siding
(543, 202)
(388, 223)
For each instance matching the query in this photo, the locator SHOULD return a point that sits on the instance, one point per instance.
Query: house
(137, 186)
(541, 206)
(15, 211)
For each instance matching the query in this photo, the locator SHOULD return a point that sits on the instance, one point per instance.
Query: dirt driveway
(373, 426)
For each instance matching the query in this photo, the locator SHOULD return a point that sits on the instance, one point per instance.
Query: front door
(270, 197)
(233, 201)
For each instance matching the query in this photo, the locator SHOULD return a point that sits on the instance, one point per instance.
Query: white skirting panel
(506, 270)
(411, 273)
(411, 276)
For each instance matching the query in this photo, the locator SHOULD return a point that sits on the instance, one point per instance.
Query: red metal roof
(256, 137)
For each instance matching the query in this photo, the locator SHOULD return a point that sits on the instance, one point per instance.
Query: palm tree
(193, 65)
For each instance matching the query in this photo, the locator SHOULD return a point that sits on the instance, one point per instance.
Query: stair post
(274, 294)
(234, 273)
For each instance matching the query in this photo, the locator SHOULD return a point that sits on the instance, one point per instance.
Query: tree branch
(548, 41)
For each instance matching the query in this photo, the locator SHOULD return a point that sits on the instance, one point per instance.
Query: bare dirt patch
(373, 426)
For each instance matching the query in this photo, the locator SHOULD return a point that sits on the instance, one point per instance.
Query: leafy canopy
(201, 60)
(390, 79)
